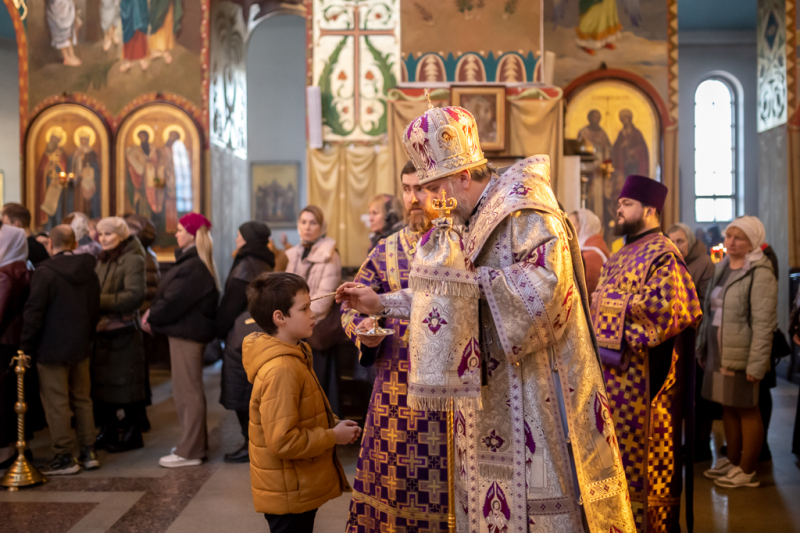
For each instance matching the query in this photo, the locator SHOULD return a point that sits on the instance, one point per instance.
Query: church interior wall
(9, 118)
(703, 53)
(276, 79)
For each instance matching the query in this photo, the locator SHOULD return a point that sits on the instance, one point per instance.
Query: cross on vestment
(411, 461)
(393, 389)
(390, 480)
(356, 33)
(392, 434)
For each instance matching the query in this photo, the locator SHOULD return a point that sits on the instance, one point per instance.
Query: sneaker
(722, 467)
(62, 465)
(88, 458)
(175, 461)
(737, 478)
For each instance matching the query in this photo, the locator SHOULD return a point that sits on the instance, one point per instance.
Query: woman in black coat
(252, 259)
(185, 309)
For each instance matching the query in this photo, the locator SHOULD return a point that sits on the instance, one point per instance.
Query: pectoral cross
(445, 205)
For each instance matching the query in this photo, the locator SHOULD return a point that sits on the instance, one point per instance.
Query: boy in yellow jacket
(293, 433)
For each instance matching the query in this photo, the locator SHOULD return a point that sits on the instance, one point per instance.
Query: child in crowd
(293, 433)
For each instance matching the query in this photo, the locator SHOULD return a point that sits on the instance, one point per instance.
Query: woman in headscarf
(15, 279)
(593, 248)
(185, 310)
(385, 218)
(318, 262)
(79, 223)
(734, 345)
(118, 366)
(253, 258)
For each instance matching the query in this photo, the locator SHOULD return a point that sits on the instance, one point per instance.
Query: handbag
(780, 347)
(329, 331)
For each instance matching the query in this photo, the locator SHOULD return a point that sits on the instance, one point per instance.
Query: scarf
(588, 225)
(754, 229)
(13, 245)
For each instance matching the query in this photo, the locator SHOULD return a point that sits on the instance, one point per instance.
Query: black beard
(629, 229)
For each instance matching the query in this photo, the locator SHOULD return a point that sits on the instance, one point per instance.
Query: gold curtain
(342, 181)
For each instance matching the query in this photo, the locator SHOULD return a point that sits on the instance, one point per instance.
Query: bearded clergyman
(535, 447)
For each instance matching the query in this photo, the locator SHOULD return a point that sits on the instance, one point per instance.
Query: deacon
(401, 472)
(535, 448)
(644, 299)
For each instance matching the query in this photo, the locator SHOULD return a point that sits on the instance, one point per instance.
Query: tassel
(444, 288)
(442, 403)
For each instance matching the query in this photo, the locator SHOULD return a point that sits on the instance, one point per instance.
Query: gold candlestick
(451, 471)
(22, 473)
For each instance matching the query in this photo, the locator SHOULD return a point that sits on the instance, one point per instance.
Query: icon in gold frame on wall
(488, 106)
(158, 170)
(67, 165)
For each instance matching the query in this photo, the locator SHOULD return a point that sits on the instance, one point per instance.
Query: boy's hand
(347, 432)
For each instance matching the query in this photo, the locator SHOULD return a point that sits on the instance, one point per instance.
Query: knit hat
(114, 225)
(192, 222)
(754, 229)
(254, 231)
(648, 191)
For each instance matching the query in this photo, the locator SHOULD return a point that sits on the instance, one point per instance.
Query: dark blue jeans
(291, 523)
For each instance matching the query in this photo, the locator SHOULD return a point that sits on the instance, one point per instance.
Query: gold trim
(369, 500)
(30, 157)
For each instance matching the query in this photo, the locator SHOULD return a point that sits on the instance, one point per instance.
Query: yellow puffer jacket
(293, 464)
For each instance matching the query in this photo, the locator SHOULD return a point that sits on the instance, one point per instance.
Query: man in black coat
(60, 318)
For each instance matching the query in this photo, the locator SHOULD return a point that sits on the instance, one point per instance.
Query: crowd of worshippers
(86, 299)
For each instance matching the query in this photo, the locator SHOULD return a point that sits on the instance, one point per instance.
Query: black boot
(242, 455)
(108, 436)
(130, 439)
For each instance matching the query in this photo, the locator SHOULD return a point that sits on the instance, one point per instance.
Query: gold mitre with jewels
(443, 141)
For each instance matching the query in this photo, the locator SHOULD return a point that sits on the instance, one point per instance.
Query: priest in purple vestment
(401, 481)
(645, 298)
(535, 448)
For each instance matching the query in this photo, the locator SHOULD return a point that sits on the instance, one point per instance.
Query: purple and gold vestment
(646, 297)
(401, 482)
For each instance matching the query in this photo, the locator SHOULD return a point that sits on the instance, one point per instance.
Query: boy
(293, 433)
(59, 320)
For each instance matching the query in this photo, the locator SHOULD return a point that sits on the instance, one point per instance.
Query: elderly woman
(385, 218)
(118, 366)
(694, 252)
(735, 345)
(593, 248)
(185, 310)
(253, 258)
(318, 262)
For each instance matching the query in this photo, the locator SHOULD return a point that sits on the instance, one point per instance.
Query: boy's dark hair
(270, 292)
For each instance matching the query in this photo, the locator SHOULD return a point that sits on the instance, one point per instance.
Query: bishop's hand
(359, 298)
(370, 341)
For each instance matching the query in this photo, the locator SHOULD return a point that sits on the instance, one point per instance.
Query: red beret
(192, 222)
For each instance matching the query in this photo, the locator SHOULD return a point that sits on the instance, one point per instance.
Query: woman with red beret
(184, 309)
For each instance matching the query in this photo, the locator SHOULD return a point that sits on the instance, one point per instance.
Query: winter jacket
(152, 278)
(701, 268)
(15, 279)
(749, 317)
(185, 305)
(118, 365)
(293, 463)
(62, 310)
(37, 253)
(250, 262)
(595, 254)
(322, 270)
(122, 284)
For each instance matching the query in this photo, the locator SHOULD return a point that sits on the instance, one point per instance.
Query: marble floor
(130, 493)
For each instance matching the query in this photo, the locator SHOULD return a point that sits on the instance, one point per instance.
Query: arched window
(715, 161)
